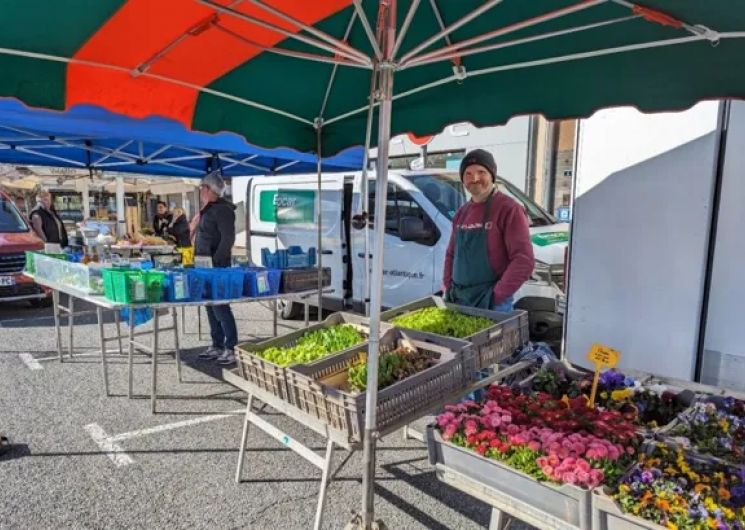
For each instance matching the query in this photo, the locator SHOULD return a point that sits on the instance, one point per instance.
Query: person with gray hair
(215, 236)
(45, 221)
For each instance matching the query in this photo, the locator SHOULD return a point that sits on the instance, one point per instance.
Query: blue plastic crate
(291, 258)
(222, 283)
(177, 286)
(196, 285)
(261, 281)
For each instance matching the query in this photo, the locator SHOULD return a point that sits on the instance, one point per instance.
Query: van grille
(22, 289)
(12, 262)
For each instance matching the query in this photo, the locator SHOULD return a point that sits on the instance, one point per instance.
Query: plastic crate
(196, 285)
(125, 286)
(30, 265)
(259, 281)
(271, 377)
(300, 280)
(509, 332)
(222, 283)
(176, 285)
(49, 268)
(292, 257)
(398, 404)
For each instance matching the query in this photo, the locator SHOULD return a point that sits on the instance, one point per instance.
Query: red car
(16, 237)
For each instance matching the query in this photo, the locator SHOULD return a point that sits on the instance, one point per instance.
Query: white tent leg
(121, 227)
(319, 220)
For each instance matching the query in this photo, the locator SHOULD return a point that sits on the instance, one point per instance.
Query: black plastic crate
(299, 280)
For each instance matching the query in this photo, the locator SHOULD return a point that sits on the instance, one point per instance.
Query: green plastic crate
(154, 285)
(133, 286)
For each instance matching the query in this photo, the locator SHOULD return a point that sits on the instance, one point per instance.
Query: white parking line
(30, 362)
(115, 453)
(170, 426)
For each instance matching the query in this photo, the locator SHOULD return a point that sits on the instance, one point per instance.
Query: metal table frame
(334, 438)
(103, 305)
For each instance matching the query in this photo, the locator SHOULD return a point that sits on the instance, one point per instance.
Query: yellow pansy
(620, 395)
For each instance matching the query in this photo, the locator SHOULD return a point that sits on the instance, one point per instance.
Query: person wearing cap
(215, 235)
(490, 254)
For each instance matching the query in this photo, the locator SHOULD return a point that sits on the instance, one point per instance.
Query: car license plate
(6, 281)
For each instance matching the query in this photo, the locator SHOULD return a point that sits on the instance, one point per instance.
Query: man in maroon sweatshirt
(490, 254)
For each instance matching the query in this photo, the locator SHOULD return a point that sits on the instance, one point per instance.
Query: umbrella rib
(585, 4)
(312, 30)
(290, 53)
(405, 27)
(354, 55)
(448, 30)
(550, 60)
(508, 44)
(368, 29)
(95, 64)
(333, 71)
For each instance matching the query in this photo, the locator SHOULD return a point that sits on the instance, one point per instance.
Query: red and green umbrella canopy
(268, 69)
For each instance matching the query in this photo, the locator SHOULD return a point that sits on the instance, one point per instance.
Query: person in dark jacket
(162, 219)
(214, 238)
(178, 229)
(45, 221)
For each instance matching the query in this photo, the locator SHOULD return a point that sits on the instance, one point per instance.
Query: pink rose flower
(569, 478)
(534, 446)
(470, 427)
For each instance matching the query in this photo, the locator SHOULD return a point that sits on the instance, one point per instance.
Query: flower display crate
(509, 332)
(517, 494)
(607, 515)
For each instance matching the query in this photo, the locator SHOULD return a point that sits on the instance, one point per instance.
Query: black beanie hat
(482, 158)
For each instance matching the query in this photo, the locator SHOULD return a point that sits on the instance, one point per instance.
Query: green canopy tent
(320, 75)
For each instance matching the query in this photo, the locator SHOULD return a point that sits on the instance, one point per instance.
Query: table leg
(325, 475)
(102, 339)
(499, 520)
(244, 438)
(118, 320)
(57, 330)
(131, 352)
(175, 338)
(70, 323)
(307, 312)
(154, 382)
(275, 303)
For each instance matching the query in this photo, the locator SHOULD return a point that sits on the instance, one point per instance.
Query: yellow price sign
(602, 357)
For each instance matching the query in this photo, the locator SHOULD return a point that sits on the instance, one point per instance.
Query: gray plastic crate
(398, 404)
(607, 515)
(509, 332)
(271, 377)
(566, 503)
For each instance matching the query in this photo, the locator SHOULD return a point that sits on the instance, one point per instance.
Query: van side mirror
(414, 229)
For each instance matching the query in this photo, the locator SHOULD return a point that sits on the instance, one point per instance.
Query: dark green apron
(473, 279)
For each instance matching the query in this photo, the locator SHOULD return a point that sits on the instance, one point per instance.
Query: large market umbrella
(298, 74)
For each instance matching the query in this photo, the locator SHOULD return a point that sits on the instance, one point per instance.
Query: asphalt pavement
(85, 461)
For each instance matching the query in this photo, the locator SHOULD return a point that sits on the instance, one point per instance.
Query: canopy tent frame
(383, 64)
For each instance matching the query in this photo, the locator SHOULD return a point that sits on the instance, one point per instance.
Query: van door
(408, 266)
(282, 213)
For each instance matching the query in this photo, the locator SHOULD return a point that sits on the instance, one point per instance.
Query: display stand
(334, 439)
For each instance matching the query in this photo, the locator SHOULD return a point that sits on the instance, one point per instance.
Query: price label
(602, 357)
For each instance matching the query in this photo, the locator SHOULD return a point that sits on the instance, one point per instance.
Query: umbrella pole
(319, 219)
(364, 186)
(388, 34)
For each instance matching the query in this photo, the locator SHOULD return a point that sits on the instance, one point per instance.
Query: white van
(281, 212)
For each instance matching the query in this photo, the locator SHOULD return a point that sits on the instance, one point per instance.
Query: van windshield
(10, 218)
(447, 193)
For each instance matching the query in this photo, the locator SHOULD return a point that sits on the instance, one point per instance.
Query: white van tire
(289, 310)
